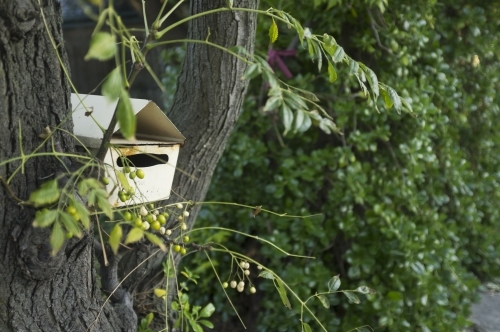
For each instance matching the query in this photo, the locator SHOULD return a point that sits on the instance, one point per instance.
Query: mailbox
(154, 150)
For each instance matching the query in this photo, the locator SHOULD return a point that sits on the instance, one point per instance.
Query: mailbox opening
(143, 160)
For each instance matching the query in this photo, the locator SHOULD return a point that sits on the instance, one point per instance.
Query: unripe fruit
(233, 284)
(241, 284)
(180, 218)
(149, 218)
(178, 205)
(138, 222)
(242, 264)
(240, 288)
(126, 169)
(132, 175)
(162, 230)
(154, 217)
(143, 212)
(247, 272)
(186, 238)
(161, 218)
(71, 209)
(184, 226)
(127, 216)
(253, 290)
(122, 197)
(259, 267)
(151, 206)
(177, 248)
(131, 191)
(145, 225)
(185, 213)
(168, 232)
(166, 215)
(183, 251)
(156, 225)
(140, 174)
(69, 235)
(105, 180)
(225, 285)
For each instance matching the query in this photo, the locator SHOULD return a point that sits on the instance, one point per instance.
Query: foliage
(409, 203)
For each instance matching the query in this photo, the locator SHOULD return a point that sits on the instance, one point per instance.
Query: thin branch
(373, 26)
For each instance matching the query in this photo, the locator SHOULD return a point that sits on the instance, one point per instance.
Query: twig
(375, 32)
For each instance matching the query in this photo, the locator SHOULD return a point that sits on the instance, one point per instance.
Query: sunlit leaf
(122, 178)
(332, 73)
(387, 99)
(45, 218)
(206, 323)
(395, 98)
(339, 54)
(47, 194)
(134, 235)
(115, 237)
(365, 290)
(273, 32)
(306, 327)
(156, 240)
(102, 46)
(273, 103)
(353, 67)
(207, 311)
(105, 206)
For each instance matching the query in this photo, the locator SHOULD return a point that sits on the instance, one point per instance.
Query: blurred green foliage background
(409, 203)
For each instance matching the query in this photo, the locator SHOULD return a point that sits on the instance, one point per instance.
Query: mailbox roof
(153, 126)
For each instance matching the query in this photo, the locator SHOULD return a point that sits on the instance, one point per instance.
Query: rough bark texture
(39, 292)
(207, 104)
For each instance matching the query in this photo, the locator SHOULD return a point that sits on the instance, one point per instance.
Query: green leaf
(365, 290)
(320, 55)
(82, 211)
(372, 80)
(395, 296)
(91, 197)
(286, 117)
(122, 178)
(353, 67)
(306, 327)
(45, 218)
(387, 100)
(56, 238)
(330, 44)
(352, 297)
(207, 311)
(105, 206)
(339, 54)
(324, 301)
(273, 32)
(47, 194)
(252, 71)
(300, 30)
(126, 116)
(273, 103)
(102, 46)
(269, 78)
(334, 283)
(328, 126)
(332, 73)
(266, 275)
(115, 237)
(206, 323)
(112, 86)
(294, 100)
(156, 240)
(395, 98)
(282, 292)
(134, 235)
(70, 224)
(149, 318)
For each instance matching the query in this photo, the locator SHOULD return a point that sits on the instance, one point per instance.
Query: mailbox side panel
(158, 179)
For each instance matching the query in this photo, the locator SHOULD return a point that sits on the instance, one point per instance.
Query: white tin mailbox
(155, 149)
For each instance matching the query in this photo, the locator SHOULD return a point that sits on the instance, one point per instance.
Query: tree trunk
(206, 107)
(39, 292)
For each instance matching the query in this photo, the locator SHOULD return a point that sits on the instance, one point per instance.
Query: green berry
(132, 175)
(177, 248)
(186, 239)
(105, 180)
(140, 174)
(156, 225)
(126, 169)
(183, 251)
(138, 222)
(225, 285)
(127, 215)
(161, 218)
(71, 209)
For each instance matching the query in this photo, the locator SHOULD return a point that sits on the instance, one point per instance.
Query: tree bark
(39, 292)
(206, 107)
